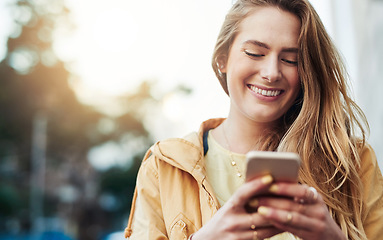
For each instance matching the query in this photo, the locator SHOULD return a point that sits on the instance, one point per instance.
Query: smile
(266, 93)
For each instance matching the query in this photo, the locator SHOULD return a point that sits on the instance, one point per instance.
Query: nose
(270, 70)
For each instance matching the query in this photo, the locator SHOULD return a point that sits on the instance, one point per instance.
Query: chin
(265, 119)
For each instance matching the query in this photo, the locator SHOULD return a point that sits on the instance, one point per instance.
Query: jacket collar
(187, 153)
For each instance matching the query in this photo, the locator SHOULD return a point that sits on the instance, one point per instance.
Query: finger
(249, 190)
(287, 220)
(300, 192)
(286, 204)
(312, 194)
(252, 221)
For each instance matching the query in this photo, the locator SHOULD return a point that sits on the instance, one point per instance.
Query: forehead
(270, 25)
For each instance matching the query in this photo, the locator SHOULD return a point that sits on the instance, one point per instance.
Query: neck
(240, 136)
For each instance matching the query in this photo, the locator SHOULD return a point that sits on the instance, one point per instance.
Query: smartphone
(282, 166)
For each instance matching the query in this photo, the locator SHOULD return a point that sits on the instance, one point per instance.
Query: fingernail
(263, 210)
(254, 203)
(274, 188)
(267, 179)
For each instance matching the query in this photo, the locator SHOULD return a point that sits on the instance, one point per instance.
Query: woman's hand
(303, 213)
(233, 222)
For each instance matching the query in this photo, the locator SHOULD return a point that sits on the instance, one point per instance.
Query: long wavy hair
(324, 121)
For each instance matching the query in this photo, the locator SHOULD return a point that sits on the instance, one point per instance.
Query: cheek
(294, 81)
(236, 75)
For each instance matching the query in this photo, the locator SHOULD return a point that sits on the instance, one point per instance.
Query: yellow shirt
(223, 177)
(220, 172)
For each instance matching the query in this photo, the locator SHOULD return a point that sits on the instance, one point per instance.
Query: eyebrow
(264, 45)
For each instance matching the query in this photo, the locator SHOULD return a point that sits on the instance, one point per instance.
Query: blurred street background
(86, 86)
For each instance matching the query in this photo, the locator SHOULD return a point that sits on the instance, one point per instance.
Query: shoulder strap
(205, 143)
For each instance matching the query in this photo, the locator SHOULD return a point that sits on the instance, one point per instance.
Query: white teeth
(267, 93)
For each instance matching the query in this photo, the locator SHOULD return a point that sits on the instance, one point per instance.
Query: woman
(288, 92)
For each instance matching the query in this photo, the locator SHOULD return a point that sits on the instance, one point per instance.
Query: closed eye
(253, 54)
(290, 62)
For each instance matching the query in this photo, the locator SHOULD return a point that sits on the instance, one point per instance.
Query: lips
(264, 92)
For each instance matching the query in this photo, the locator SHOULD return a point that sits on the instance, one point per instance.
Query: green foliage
(9, 199)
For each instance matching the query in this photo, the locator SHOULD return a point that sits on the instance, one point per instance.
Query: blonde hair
(322, 124)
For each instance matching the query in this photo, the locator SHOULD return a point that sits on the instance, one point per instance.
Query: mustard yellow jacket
(177, 200)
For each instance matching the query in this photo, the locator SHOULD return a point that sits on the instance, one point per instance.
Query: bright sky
(119, 43)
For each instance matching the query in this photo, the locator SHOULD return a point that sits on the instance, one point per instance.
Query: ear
(222, 64)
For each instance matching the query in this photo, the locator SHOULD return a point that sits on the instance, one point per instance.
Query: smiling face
(261, 68)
